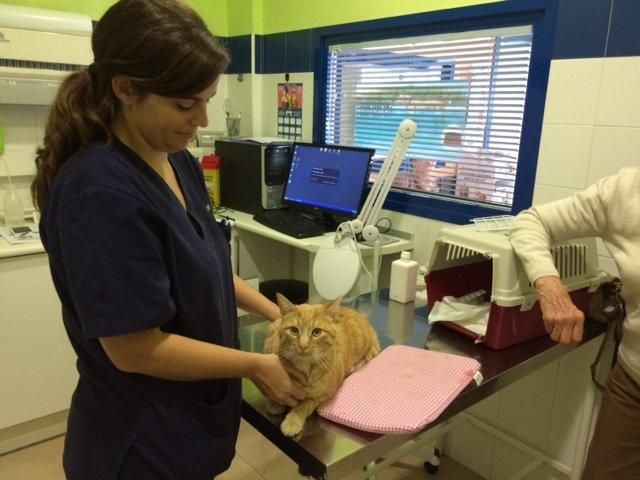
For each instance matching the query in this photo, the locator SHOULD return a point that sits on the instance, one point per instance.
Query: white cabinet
(37, 363)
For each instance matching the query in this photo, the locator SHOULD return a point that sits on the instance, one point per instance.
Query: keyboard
(291, 222)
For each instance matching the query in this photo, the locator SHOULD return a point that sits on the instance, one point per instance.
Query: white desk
(262, 252)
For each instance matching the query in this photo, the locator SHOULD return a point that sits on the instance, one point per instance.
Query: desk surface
(328, 449)
(245, 221)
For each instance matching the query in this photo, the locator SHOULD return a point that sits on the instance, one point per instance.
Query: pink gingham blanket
(400, 391)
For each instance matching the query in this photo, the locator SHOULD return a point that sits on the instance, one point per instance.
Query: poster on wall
(290, 111)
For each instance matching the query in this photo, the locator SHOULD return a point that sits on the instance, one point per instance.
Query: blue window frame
(371, 128)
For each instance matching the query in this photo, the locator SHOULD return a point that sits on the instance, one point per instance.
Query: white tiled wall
(240, 90)
(619, 102)
(572, 93)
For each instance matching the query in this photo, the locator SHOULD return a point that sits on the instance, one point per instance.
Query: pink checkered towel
(400, 391)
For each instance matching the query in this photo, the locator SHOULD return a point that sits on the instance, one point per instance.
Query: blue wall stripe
(624, 38)
(240, 49)
(298, 51)
(284, 52)
(274, 52)
(581, 30)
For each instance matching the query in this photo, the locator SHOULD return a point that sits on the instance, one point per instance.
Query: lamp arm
(336, 265)
(373, 204)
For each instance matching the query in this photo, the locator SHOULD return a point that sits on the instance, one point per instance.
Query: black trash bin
(296, 291)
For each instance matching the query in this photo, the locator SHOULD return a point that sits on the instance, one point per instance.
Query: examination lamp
(336, 266)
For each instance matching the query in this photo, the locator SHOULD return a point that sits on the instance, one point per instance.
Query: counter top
(7, 250)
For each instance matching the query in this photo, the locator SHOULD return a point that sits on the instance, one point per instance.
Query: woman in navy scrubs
(141, 268)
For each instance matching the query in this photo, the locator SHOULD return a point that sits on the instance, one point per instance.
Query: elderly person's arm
(532, 234)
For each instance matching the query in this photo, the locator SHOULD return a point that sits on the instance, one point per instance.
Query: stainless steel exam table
(327, 450)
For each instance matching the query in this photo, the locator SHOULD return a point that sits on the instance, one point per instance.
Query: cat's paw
(292, 425)
(274, 408)
(356, 366)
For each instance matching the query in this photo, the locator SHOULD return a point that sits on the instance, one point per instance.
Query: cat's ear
(333, 307)
(285, 305)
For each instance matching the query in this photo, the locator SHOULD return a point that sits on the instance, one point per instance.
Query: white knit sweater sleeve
(582, 215)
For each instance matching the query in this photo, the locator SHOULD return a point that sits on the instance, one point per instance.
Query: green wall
(244, 17)
(287, 15)
(93, 8)
(214, 12)
(241, 17)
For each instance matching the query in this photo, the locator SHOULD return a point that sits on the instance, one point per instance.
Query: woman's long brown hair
(162, 45)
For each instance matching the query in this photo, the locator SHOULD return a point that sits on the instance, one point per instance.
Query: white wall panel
(545, 193)
(486, 410)
(584, 355)
(619, 100)
(563, 436)
(571, 389)
(215, 109)
(507, 460)
(572, 93)
(531, 427)
(613, 148)
(534, 388)
(564, 152)
(241, 94)
(473, 448)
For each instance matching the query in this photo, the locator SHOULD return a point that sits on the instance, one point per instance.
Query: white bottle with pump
(402, 285)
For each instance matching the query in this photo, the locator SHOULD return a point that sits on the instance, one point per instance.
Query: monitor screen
(327, 178)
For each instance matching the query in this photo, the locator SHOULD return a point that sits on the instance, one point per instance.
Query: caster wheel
(431, 468)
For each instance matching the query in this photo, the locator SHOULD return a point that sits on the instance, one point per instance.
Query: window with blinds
(466, 91)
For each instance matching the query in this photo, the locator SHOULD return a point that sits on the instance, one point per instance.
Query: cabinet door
(37, 363)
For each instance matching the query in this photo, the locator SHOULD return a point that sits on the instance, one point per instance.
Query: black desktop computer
(252, 173)
(325, 186)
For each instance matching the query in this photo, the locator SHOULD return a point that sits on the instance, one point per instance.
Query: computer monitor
(327, 179)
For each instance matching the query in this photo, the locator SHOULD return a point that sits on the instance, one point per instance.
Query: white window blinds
(465, 91)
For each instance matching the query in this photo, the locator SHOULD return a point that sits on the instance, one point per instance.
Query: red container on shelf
(211, 170)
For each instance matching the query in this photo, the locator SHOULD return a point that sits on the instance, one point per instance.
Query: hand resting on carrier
(562, 319)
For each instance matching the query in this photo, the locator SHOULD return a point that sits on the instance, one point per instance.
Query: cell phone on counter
(20, 230)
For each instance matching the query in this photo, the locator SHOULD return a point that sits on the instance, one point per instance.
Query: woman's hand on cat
(276, 383)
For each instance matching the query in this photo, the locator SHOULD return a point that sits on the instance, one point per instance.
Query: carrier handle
(528, 302)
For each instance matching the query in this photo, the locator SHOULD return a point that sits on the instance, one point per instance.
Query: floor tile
(42, 461)
(256, 459)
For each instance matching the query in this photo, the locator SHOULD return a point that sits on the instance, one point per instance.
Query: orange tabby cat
(326, 343)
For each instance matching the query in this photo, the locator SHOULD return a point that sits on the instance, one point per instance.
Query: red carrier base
(507, 326)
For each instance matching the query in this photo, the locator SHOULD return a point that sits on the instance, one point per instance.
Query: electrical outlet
(208, 138)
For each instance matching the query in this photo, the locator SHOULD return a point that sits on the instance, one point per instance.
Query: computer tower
(252, 174)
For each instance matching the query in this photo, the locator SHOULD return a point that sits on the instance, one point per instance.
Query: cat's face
(306, 332)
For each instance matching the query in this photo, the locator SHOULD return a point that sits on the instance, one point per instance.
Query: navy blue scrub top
(126, 257)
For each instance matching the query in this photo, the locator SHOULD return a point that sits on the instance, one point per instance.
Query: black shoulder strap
(613, 311)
